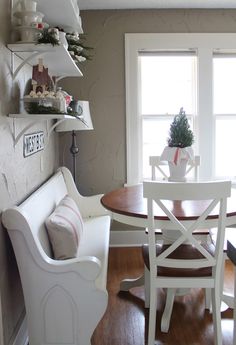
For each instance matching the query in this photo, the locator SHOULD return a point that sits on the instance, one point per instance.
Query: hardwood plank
(125, 321)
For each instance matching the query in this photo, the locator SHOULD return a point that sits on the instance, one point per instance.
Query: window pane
(225, 147)
(167, 84)
(224, 85)
(155, 133)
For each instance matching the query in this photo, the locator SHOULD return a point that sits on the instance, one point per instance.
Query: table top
(129, 201)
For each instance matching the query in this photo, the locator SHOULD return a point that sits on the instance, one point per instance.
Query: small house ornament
(41, 80)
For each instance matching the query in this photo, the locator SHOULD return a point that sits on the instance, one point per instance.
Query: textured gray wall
(102, 159)
(19, 176)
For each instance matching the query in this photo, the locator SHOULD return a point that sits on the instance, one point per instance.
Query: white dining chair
(161, 167)
(158, 165)
(187, 262)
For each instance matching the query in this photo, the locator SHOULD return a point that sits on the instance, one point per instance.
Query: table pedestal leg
(127, 284)
(228, 299)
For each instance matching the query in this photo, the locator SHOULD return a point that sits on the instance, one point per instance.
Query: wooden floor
(125, 321)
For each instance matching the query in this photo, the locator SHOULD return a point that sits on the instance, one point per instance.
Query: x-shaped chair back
(211, 194)
(157, 164)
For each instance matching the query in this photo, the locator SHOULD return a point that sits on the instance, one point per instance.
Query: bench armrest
(88, 267)
(89, 206)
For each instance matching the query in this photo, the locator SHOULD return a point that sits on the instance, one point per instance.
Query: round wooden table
(130, 207)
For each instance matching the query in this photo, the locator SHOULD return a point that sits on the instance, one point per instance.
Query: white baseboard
(127, 238)
(22, 335)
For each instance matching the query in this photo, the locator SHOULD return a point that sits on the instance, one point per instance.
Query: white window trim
(205, 44)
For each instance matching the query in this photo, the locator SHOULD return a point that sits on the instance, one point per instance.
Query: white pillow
(65, 228)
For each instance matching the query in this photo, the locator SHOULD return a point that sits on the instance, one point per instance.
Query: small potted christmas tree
(179, 149)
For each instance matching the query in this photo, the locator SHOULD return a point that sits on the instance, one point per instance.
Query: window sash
(156, 70)
(205, 45)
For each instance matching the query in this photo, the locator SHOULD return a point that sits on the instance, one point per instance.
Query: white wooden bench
(64, 299)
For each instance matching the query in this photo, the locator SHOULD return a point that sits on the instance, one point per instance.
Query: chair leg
(165, 320)
(216, 314)
(147, 287)
(152, 316)
(208, 299)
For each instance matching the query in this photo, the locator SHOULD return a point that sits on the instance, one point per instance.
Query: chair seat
(183, 252)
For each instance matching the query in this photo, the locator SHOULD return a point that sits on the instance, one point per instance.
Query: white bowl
(28, 34)
(28, 17)
(28, 5)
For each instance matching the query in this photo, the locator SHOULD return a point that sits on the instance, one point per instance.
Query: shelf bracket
(55, 125)
(51, 130)
(24, 62)
(17, 138)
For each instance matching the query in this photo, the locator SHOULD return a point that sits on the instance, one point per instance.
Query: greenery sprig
(78, 50)
(36, 108)
(49, 36)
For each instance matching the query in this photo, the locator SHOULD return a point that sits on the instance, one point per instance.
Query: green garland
(35, 108)
(74, 113)
(46, 36)
(76, 44)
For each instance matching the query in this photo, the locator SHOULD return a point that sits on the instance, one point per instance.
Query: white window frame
(205, 44)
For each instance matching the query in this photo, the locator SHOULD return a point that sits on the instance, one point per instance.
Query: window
(167, 83)
(167, 71)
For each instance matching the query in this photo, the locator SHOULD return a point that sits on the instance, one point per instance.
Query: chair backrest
(162, 197)
(156, 163)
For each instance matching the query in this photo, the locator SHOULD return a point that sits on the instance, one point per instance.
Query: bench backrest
(36, 208)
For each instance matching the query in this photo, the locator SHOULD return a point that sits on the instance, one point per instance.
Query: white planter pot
(178, 171)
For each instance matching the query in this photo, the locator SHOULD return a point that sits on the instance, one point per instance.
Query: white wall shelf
(63, 13)
(37, 118)
(56, 58)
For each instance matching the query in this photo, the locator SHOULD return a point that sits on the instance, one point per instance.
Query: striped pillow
(65, 228)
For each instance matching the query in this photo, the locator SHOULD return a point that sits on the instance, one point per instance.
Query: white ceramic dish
(28, 34)
(28, 5)
(28, 17)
